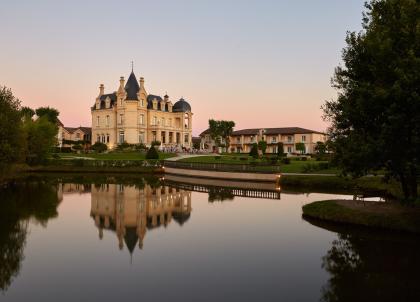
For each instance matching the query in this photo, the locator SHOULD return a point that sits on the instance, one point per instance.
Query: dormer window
(162, 106)
(155, 104)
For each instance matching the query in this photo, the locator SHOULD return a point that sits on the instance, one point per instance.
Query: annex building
(133, 116)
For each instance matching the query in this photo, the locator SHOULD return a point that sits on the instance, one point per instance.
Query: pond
(103, 238)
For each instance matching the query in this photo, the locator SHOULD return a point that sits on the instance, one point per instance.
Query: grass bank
(389, 216)
(369, 185)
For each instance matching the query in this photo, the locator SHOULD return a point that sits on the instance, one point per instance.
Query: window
(98, 138)
(142, 103)
(170, 122)
(120, 102)
(121, 119)
(103, 138)
(154, 136)
(289, 139)
(186, 138)
(154, 121)
(289, 150)
(107, 120)
(141, 137)
(303, 138)
(107, 138)
(78, 135)
(252, 139)
(163, 122)
(97, 121)
(274, 139)
(121, 138)
(141, 121)
(238, 139)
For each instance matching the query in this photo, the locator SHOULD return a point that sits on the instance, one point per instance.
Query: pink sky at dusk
(259, 63)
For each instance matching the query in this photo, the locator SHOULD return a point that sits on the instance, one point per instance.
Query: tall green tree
(262, 145)
(375, 120)
(221, 130)
(300, 147)
(41, 138)
(50, 113)
(12, 140)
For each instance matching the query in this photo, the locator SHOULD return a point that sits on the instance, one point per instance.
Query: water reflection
(130, 211)
(255, 248)
(20, 204)
(368, 265)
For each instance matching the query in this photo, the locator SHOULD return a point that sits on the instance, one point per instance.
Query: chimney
(141, 82)
(166, 98)
(121, 81)
(101, 89)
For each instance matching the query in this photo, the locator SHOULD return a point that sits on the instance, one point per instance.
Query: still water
(114, 239)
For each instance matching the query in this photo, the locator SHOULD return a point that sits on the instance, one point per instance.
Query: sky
(259, 63)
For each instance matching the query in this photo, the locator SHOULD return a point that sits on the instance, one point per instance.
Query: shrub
(140, 147)
(152, 153)
(98, 147)
(304, 158)
(285, 161)
(156, 143)
(243, 158)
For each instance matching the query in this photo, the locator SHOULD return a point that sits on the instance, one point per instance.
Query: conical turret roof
(132, 87)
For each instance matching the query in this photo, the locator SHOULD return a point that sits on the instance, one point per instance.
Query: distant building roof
(207, 131)
(274, 131)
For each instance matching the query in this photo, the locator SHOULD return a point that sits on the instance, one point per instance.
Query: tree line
(26, 135)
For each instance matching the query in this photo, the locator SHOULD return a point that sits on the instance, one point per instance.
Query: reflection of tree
(220, 194)
(20, 203)
(372, 268)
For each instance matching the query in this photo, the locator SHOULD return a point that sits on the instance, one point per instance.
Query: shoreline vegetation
(376, 215)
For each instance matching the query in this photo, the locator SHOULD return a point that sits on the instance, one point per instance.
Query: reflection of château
(130, 211)
(66, 188)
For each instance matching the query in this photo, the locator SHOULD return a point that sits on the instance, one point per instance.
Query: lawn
(113, 155)
(295, 166)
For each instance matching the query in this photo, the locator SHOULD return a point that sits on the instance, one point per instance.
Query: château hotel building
(133, 116)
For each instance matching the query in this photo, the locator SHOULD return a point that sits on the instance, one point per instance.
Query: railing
(221, 167)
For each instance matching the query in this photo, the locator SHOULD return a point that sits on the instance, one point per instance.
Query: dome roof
(181, 106)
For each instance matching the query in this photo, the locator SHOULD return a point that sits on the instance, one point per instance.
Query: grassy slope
(395, 218)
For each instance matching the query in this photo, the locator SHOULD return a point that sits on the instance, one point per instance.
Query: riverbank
(380, 215)
(368, 185)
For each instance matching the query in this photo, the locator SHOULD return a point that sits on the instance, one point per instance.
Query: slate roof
(85, 130)
(181, 106)
(132, 87)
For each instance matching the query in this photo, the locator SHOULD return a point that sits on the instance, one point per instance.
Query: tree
(152, 153)
(27, 112)
(300, 147)
(375, 120)
(221, 130)
(41, 138)
(50, 113)
(320, 148)
(254, 151)
(12, 140)
(280, 149)
(262, 145)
